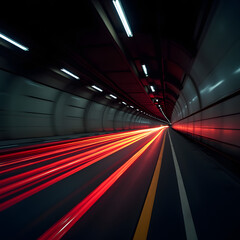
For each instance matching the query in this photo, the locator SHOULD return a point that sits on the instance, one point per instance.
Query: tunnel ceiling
(88, 37)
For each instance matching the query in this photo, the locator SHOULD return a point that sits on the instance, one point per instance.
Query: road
(141, 184)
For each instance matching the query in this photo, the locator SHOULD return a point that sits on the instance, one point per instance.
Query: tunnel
(120, 120)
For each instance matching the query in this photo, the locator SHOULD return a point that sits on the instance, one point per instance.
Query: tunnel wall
(31, 109)
(208, 108)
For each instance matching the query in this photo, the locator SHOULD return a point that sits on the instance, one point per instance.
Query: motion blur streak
(28, 154)
(59, 229)
(60, 169)
(62, 164)
(80, 145)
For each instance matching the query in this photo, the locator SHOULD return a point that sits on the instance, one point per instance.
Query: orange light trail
(9, 159)
(8, 166)
(62, 168)
(59, 229)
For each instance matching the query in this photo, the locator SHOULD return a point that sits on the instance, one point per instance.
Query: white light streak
(69, 73)
(112, 96)
(164, 114)
(123, 17)
(215, 85)
(145, 69)
(13, 42)
(152, 88)
(97, 88)
(237, 71)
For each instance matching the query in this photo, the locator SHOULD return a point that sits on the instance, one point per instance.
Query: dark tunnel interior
(120, 119)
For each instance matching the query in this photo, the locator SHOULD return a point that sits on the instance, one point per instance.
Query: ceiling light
(131, 106)
(137, 109)
(145, 69)
(121, 14)
(124, 103)
(69, 73)
(97, 88)
(164, 114)
(13, 42)
(152, 88)
(112, 96)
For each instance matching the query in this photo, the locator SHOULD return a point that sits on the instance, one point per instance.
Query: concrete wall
(208, 107)
(32, 109)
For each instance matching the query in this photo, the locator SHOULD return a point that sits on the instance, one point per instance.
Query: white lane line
(187, 215)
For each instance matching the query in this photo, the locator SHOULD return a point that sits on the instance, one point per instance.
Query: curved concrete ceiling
(88, 36)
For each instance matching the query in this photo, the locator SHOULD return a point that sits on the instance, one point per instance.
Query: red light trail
(60, 169)
(59, 229)
(13, 158)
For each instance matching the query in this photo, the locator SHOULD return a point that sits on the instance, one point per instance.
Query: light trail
(94, 151)
(8, 166)
(20, 179)
(59, 145)
(65, 167)
(59, 229)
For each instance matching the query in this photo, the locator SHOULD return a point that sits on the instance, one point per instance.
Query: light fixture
(156, 100)
(164, 114)
(131, 106)
(121, 14)
(97, 88)
(145, 69)
(13, 42)
(112, 96)
(152, 88)
(124, 103)
(69, 73)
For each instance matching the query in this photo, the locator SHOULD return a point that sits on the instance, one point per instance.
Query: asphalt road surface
(141, 184)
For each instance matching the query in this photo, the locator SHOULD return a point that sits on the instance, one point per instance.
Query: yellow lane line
(144, 220)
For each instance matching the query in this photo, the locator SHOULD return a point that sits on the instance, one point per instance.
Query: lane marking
(187, 215)
(145, 217)
(60, 228)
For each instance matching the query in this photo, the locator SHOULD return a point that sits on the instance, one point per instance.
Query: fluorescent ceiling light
(112, 96)
(152, 88)
(131, 107)
(121, 14)
(137, 109)
(145, 69)
(124, 103)
(97, 88)
(164, 114)
(69, 73)
(13, 42)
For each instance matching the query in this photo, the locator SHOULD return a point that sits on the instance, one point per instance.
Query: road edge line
(186, 211)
